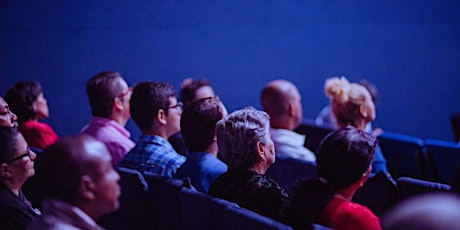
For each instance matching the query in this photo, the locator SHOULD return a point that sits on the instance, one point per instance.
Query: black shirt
(15, 212)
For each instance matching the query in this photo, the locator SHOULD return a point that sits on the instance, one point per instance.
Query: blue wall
(409, 49)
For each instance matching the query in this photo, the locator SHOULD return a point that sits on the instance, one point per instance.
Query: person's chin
(14, 125)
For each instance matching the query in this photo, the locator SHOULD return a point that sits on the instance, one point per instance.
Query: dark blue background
(409, 49)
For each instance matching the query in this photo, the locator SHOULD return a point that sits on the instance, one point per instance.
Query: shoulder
(358, 216)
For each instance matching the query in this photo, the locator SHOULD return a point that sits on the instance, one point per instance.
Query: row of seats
(407, 156)
(154, 202)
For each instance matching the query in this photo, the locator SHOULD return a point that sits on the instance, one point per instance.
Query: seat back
(164, 198)
(135, 211)
(443, 158)
(404, 154)
(314, 134)
(378, 194)
(287, 171)
(408, 187)
(235, 218)
(455, 122)
(202, 211)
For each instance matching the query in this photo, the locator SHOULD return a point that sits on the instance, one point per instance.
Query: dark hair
(189, 88)
(198, 122)
(343, 157)
(8, 142)
(102, 90)
(21, 98)
(147, 99)
(62, 165)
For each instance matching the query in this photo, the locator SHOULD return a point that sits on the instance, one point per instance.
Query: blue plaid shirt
(153, 154)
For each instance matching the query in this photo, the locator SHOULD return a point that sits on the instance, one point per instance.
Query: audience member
(191, 90)
(281, 100)
(344, 164)
(155, 110)
(424, 212)
(326, 117)
(79, 184)
(7, 118)
(26, 100)
(244, 140)
(109, 96)
(352, 104)
(198, 125)
(16, 166)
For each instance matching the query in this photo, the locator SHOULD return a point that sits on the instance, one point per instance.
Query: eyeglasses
(179, 105)
(28, 152)
(129, 90)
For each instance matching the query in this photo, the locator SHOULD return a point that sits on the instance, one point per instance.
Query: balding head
(281, 100)
(78, 170)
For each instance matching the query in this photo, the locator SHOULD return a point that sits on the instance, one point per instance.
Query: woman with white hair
(244, 141)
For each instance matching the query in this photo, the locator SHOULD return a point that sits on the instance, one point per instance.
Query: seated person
(344, 162)
(352, 104)
(16, 166)
(7, 118)
(109, 95)
(191, 90)
(155, 110)
(26, 100)
(79, 184)
(281, 100)
(198, 125)
(244, 140)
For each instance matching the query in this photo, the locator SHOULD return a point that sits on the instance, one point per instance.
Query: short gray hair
(238, 135)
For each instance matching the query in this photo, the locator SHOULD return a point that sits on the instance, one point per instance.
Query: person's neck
(345, 194)
(259, 168)
(119, 119)
(212, 149)
(156, 132)
(12, 186)
(281, 123)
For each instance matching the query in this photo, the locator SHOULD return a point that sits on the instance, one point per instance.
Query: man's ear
(363, 111)
(291, 110)
(161, 117)
(117, 103)
(86, 187)
(260, 149)
(4, 170)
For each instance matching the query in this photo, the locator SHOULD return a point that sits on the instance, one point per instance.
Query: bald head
(281, 100)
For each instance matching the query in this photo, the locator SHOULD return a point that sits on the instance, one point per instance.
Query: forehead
(3, 103)
(204, 92)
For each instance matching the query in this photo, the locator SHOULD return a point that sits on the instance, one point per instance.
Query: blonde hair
(346, 98)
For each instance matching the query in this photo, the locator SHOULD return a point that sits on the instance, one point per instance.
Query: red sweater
(38, 134)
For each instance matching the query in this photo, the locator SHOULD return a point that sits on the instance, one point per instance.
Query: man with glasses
(16, 166)
(109, 97)
(155, 110)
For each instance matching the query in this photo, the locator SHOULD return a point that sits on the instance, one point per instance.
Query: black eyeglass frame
(28, 152)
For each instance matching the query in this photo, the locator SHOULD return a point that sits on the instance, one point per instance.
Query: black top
(15, 212)
(252, 191)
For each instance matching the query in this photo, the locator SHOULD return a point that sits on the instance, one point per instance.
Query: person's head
(7, 118)
(27, 101)
(244, 140)
(198, 122)
(154, 106)
(109, 95)
(193, 89)
(78, 170)
(344, 162)
(345, 156)
(424, 212)
(282, 101)
(16, 160)
(351, 102)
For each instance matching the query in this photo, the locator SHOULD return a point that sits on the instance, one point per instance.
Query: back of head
(8, 142)
(424, 212)
(346, 99)
(102, 90)
(62, 166)
(147, 99)
(21, 97)
(238, 134)
(189, 88)
(344, 156)
(198, 122)
(275, 97)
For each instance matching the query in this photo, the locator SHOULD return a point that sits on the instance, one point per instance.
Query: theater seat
(236, 218)
(408, 187)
